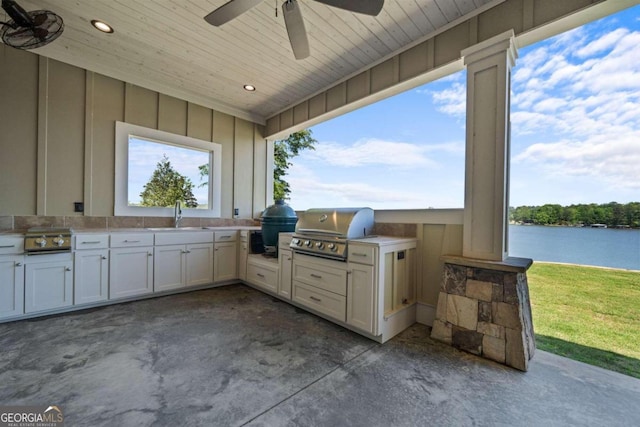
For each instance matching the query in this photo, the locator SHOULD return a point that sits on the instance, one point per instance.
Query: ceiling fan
(292, 17)
(28, 30)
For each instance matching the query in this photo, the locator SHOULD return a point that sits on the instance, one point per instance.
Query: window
(148, 161)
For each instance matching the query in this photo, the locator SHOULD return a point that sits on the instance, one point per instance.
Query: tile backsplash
(24, 222)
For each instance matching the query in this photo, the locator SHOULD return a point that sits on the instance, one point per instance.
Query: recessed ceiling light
(102, 26)
(250, 88)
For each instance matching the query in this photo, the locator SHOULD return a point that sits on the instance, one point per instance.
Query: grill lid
(344, 223)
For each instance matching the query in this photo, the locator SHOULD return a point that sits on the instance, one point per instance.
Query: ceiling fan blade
(230, 10)
(368, 7)
(295, 29)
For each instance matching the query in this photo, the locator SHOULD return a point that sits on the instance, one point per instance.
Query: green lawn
(587, 314)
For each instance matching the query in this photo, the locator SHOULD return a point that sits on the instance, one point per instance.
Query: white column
(486, 200)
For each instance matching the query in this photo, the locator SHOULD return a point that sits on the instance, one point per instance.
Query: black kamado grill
(277, 218)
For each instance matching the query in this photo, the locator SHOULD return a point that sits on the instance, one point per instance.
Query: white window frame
(121, 202)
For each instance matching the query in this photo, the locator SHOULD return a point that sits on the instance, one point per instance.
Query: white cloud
(603, 43)
(452, 101)
(578, 97)
(379, 152)
(614, 159)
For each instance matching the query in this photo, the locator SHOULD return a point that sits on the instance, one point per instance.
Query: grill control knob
(319, 245)
(58, 241)
(295, 242)
(332, 247)
(41, 241)
(307, 243)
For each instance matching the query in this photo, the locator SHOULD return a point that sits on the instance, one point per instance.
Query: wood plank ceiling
(166, 46)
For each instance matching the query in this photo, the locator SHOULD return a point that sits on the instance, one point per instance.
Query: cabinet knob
(18, 264)
(149, 254)
(67, 269)
(104, 257)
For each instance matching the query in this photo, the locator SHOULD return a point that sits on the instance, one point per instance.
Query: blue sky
(575, 132)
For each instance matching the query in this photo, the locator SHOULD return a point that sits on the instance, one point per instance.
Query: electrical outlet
(78, 207)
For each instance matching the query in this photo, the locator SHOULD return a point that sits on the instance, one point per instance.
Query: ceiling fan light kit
(29, 30)
(292, 17)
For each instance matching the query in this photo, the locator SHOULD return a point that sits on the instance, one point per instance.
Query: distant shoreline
(626, 227)
(587, 266)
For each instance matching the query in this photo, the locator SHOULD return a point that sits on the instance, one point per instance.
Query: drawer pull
(132, 241)
(359, 254)
(225, 237)
(92, 242)
(260, 275)
(316, 299)
(7, 246)
(316, 276)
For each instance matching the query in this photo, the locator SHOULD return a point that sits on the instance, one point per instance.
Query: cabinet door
(11, 286)
(91, 274)
(225, 259)
(361, 297)
(199, 264)
(169, 267)
(286, 263)
(243, 253)
(48, 285)
(130, 272)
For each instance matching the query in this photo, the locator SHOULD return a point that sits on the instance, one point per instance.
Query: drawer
(126, 240)
(244, 235)
(362, 254)
(91, 241)
(333, 280)
(183, 237)
(226, 236)
(262, 275)
(321, 301)
(11, 244)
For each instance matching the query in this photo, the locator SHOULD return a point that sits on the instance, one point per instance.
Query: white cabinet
(91, 268)
(285, 261)
(243, 253)
(361, 297)
(263, 272)
(11, 285)
(182, 259)
(48, 283)
(381, 287)
(225, 257)
(130, 265)
(11, 275)
(285, 265)
(321, 285)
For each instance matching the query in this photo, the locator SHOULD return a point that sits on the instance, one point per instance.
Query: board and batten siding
(57, 139)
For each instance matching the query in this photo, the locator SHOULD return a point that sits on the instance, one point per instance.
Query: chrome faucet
(177, 214)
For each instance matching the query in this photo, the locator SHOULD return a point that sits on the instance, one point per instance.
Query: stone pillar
(484, 309)
(487, 147)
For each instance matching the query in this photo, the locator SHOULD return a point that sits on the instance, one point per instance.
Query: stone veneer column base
(484, 309)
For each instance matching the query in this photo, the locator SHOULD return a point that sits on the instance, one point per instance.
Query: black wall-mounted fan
(28, 30)
(292, 17)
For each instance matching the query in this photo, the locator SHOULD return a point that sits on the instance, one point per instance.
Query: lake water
(605, 247)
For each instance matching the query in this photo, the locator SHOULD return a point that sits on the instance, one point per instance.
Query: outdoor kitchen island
(371, 292)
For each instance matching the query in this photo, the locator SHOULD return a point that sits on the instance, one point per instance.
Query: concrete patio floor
(233, 356)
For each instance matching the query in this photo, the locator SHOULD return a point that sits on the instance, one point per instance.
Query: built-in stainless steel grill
(47, 240)
(325, 232)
